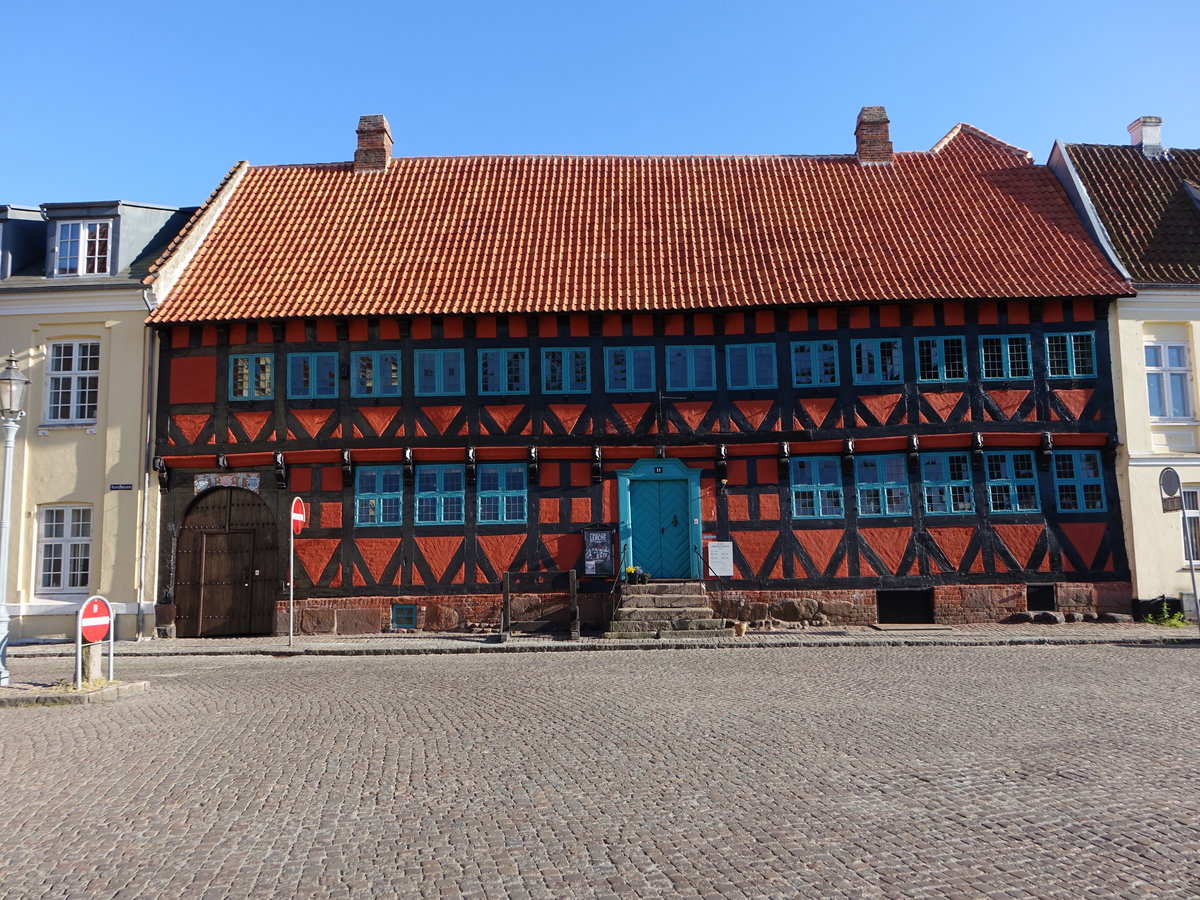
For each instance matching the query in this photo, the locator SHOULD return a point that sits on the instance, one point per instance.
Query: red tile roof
(972, 218)
(1146, 209)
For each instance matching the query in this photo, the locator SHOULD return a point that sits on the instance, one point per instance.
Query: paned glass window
(817, 487)
(504, 371)
(1191, 524)
(250, 376)
(566, 370)
(440, 494)
(1078, 481)
(65, 548)
(439, 373)
(814, 363)
(629, 369)
(691, 368)
(946, 484)
(751, 366)
(312, 375)
(941, 359)
(375, 373)
(83, 248)
(1071, 355)
(404, 615)
(73, 388)
(1169, 380)
(1011, 481)
(377, 491)
(882, 483)
(501, 493)
(1005, 356)
(877, 362)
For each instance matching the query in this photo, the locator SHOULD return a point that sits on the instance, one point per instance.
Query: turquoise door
(659, 526)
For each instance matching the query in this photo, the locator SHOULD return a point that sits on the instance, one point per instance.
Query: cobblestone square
(1026, 771)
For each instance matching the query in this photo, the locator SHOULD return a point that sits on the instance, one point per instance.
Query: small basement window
(404, 615)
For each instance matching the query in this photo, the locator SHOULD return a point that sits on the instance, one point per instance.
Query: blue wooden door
(659, 526)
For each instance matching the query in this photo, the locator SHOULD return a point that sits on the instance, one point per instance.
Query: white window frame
(74, 381)
(73, 526)
(87, 248)
(1191, 521)
(1163, 373)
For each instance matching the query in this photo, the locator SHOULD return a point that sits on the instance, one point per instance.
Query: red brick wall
(952, 605)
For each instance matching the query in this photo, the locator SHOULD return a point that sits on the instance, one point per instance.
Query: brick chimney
(1146, 132)
(872, 139)
(374, 144)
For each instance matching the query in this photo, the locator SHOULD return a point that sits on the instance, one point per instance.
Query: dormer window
(82, 248)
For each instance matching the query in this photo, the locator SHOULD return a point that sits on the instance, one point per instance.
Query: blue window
(404, 615)
(691, 369)
(440, 493)
(377, 495)
(751, 366)
(629, 368)
(312, 375)
(566, 370)
(1005, 356)
(1078, 481)
(504, 371)
(439, 372)
(1011, 481)
(375, 374)
(251, 376)
(877, 362)
(946, 484)
(814, 363)
(882, 483)
(1071, 355)
(501, 491)
(941, 359)
(817, 487)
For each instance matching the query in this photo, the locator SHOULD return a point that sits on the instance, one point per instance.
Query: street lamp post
(13, 387)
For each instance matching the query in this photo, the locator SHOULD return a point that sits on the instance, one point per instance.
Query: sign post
(93, 624)
(1172, 499)
(299, 517)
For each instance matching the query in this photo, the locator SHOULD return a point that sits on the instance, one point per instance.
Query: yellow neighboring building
(84, 515)
(1142, 204)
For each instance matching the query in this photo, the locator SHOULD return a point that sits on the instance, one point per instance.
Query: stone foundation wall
(958, 604)
(839, 607)
(952, 605)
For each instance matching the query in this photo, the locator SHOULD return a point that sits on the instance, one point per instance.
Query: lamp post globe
(14, 387)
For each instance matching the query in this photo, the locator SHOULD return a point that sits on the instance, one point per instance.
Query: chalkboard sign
(598, 551)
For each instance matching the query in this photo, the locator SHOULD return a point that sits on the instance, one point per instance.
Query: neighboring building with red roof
(1142, 205)
(880, 380)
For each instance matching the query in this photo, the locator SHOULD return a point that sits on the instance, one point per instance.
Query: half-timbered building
(883, 377)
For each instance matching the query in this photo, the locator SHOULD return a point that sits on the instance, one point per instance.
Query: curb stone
(610, 644)
(106, 694)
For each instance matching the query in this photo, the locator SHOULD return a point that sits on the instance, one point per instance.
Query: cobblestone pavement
(421, 643)
(1008, 772)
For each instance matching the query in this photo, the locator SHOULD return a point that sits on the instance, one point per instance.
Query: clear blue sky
(154, 101)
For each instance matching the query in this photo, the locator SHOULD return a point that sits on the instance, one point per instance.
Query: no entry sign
(95, 620)
(298, 515)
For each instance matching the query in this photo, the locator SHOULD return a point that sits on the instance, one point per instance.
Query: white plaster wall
(76, 464)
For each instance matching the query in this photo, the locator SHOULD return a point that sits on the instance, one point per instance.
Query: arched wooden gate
(225, 566)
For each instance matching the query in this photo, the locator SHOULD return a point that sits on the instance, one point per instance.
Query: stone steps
(644, 613)
(664, 609)
(667, 633)
(675, 624)
(694, 588)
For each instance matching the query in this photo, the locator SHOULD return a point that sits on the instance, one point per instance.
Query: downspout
(148, 354)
